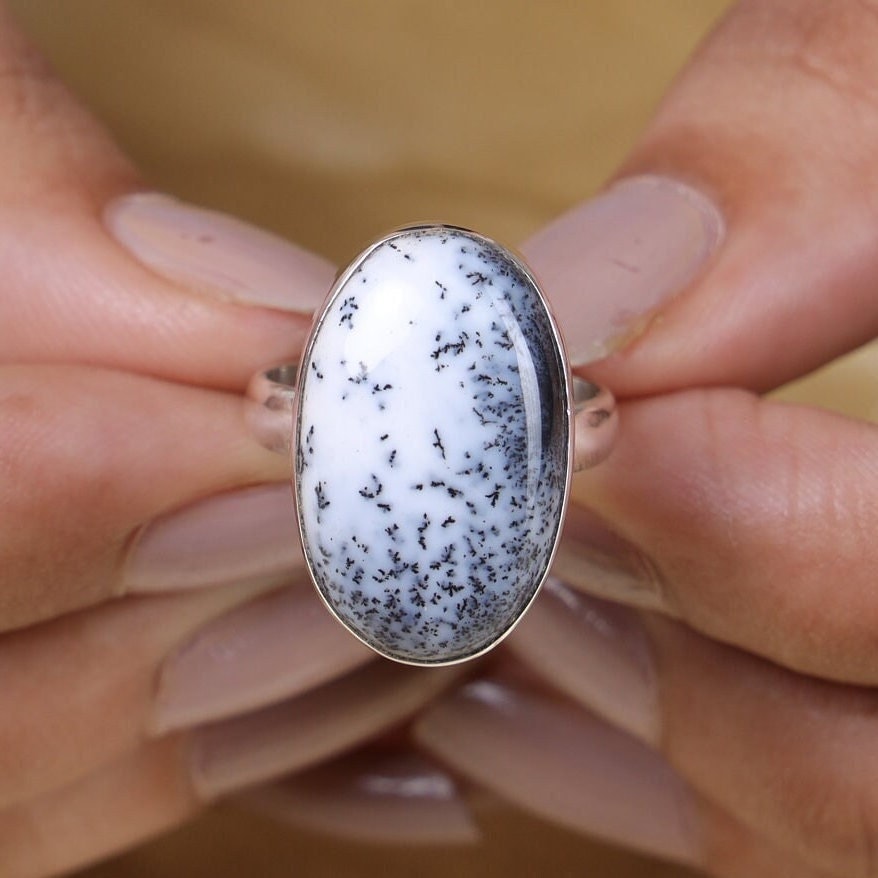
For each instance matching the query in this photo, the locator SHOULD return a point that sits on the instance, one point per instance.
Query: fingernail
(595, 652)
(278, 740)
(609, 264)
(232, 537)
(563, 764)
(595, 559)
(377, 798)
(275, 647)
(217, 255)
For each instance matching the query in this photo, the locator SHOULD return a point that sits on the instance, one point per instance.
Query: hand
(143, 530)
(739, 530)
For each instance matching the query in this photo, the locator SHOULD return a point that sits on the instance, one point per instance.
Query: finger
(129, 801)
(88, 458)
(771, 126)
(560, 763)
(164, 781)
(744, 518)
(270, 649)
(157, 287)
(388, 798)
(150, 791)
(654, 813)
(252, 749)
(788, 756)
(83, 689)
(384, 797)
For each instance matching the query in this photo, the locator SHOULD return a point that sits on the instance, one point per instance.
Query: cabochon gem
(432, 445)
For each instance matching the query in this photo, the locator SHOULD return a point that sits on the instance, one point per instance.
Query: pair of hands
(151, 661)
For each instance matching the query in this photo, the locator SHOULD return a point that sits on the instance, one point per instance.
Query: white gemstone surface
(432, 445)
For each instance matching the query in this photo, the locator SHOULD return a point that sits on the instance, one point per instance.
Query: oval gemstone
(432, 445)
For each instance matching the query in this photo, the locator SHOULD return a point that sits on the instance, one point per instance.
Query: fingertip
(769, 124)
(397, 798)
(562, 764)
(215, 254)
(609, 264)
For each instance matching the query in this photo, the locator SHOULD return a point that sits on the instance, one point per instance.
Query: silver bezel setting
(565, 395)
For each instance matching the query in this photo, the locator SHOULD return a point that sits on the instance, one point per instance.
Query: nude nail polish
(396, 798)
(278, 740)
(593, 558)
(610, 264)
(556, 760)
(218, 255)
(240, 535)
(595, 652)
(275, 647)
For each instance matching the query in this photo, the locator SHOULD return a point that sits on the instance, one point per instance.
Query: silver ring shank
(271, 397)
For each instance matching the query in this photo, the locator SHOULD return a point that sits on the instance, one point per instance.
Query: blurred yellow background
(332, 122)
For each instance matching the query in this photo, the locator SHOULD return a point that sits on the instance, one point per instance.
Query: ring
(433, 425)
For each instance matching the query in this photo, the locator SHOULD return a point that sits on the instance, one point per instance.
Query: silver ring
(433, 425)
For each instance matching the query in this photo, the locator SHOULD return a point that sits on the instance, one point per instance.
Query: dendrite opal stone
(432, 445)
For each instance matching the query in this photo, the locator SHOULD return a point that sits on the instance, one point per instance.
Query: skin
(775, 119)
(757, 517)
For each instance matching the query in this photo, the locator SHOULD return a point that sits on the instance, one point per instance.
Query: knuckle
(44, 131)
(786, 29)
(57, 473)
(838, 826)
(829, 44)
(29, 92)
(798, 77)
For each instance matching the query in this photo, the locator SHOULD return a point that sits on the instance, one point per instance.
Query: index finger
(95, 271)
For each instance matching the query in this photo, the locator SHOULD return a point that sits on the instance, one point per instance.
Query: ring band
(433, 426)
(271, 397)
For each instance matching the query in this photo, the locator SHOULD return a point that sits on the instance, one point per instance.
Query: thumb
(737, 246)
(750, 520)
(96, 270)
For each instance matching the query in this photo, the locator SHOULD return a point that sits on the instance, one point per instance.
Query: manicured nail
(563, 764)
(215, 254)
(377, 798)
(234, 537)
(609, 264)
(595, 559)
(275, 647)
(595, 652)
(299, 733)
